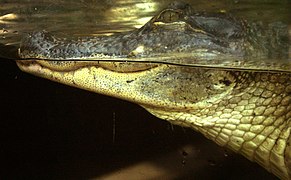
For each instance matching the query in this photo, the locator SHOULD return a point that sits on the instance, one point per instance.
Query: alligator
(245, 110)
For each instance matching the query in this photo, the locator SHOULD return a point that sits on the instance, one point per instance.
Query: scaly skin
(249, 112)
(246, 111)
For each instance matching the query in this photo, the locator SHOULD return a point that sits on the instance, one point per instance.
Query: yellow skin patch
(248, 112)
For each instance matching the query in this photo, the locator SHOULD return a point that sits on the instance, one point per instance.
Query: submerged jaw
(65, 66)
(164, 86)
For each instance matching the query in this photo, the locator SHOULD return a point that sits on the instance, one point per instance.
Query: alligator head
(246, 111)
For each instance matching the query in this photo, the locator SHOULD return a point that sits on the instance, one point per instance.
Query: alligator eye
(169, 16)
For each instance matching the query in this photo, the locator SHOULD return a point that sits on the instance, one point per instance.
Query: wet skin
(246, 111)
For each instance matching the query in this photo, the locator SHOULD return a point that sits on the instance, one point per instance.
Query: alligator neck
(254, 119)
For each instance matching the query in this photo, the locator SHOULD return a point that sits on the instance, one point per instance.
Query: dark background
(52, 131)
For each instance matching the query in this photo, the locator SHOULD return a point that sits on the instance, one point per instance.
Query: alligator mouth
(99, 78)
(67, 66)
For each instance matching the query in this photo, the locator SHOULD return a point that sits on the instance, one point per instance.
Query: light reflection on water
(73, 17)
(95, 17)
(87, 17)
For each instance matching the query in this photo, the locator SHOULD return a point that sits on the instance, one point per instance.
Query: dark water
(51, 131)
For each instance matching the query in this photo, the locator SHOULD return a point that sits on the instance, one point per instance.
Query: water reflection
(79, 18)
(136, 16)
(8, 17)
(92, 17)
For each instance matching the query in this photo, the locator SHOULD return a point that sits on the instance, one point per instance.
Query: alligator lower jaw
(98, 79)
